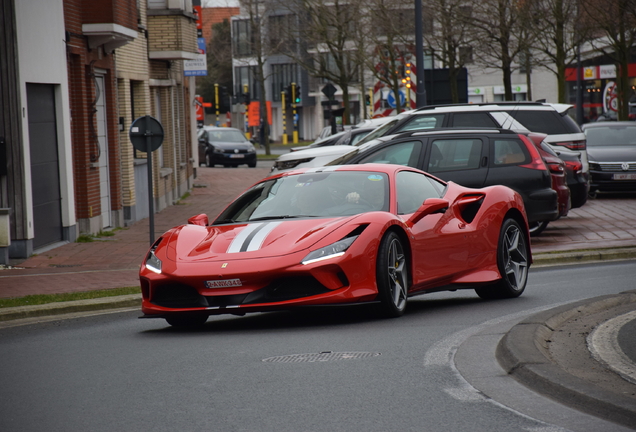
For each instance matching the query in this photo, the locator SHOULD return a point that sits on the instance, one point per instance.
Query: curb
(574, 257)
(60, 308)
(523, 354)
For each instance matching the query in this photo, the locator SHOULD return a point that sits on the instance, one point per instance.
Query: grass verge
(40, 299)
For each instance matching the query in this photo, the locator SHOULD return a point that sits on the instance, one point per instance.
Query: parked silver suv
(547, 118)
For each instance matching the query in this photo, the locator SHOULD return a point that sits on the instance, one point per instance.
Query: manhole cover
(320, 357)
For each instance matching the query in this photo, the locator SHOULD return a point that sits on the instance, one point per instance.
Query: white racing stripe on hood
(259, 237)
(251, 238)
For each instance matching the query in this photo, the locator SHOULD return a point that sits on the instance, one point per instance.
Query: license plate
(624, 177)
(237, 156)
(224, 283)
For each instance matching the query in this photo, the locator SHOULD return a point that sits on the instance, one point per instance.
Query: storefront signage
(607, 71)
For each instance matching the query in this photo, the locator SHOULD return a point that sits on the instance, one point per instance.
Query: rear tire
(536, 228)
(187, 321)
(512, 260)
(392, 276)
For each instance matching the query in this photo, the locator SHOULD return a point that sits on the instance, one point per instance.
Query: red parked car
(339, 235)
(557, 169)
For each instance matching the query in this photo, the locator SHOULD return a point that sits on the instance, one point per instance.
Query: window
(475, 119)
(405, 153)
(246, 75)
(282, 76)
(242, 38)
(424, 122)
(545, 121)
(413, 189)
(455, 155)
(466, 54)
(350, 65)
(525, 62)
(280, 32)
(508, 152)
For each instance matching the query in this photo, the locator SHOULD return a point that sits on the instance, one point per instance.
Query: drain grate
(324, 356)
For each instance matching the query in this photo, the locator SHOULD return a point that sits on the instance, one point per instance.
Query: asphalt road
(336, 369)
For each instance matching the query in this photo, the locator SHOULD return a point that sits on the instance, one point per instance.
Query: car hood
(334, 151)
(612, 153)
(263, 239)
(232, 145)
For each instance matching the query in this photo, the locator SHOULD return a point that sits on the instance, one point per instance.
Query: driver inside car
(371, 193)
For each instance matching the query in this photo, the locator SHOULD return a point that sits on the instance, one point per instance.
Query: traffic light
(407, 75)
(367, 100)
(297, 100)
(246, 94)
(295, 93)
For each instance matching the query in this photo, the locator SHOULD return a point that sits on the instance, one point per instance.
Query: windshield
(614, 135)
(381, 131)
(324, 194)
(226, 136)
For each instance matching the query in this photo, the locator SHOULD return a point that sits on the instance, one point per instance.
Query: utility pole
(419, 56)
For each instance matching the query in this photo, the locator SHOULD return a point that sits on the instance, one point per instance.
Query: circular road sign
(145, 127)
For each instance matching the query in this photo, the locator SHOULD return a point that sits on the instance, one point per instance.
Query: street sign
(145, 127)
(329, 90)
(146, 134)
(390, 99)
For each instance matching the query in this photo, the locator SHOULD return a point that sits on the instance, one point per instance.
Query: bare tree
(556, 31)
(219, 59)
(385, 43)
(328, 30)
(451, 39)
(256, 12)
(497, 25)
(615, 24)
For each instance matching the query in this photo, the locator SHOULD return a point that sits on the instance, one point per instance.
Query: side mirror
(429, 206)
(202, 141)
(200, 219)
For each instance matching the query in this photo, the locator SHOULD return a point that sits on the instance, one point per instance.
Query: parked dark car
(577, 180)
(473, 158)
(612, 155)
(557, 169)
(225, 146)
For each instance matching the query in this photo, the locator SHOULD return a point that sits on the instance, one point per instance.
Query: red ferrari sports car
(339, 235)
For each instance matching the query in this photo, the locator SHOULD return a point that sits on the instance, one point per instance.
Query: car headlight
(152, 262)
(332, 251)
(251, 148)
(282, 165)
(218, 150)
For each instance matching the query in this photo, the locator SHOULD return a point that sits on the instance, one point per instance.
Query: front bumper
(234, 158)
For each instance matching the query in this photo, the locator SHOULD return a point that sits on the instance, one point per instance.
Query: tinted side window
(404, 153)
(428, 121)
(509, 152)
(476, 119)
(412, 189)
(455, 155)
(547, 122)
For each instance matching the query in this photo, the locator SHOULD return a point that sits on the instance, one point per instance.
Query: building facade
(78, 73)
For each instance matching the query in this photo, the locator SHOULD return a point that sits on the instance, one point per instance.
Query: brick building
(76, 73)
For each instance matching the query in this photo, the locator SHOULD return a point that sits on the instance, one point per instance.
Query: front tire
(512, 260)
(208, 160)
(392, 276)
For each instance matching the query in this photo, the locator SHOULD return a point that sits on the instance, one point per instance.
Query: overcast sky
(220, 3)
